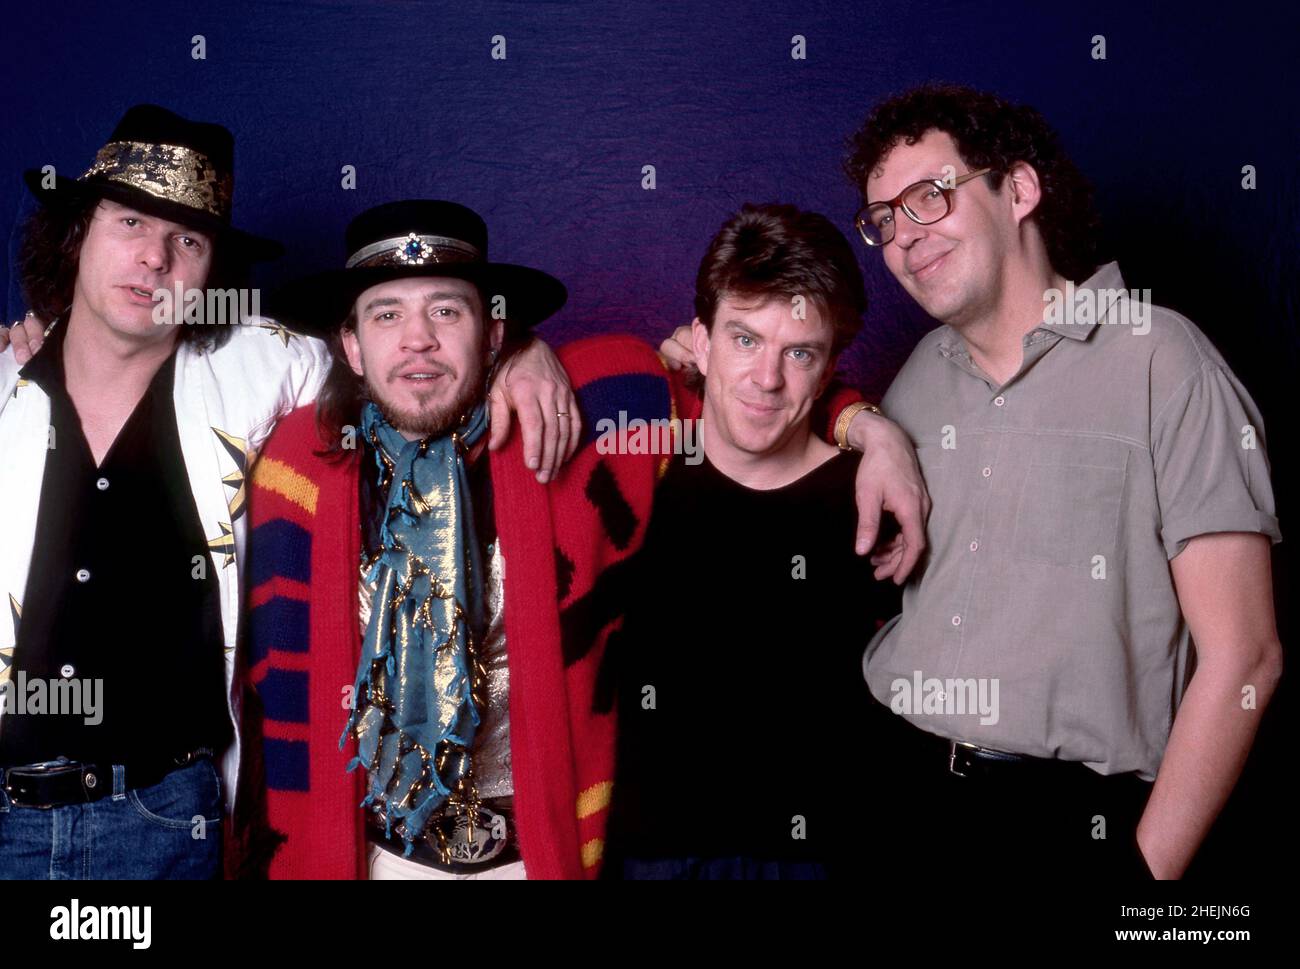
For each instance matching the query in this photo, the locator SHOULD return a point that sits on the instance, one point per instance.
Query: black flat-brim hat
(161, 164)
(417, 237)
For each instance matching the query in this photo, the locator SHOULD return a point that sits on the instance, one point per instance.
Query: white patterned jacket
(227, 401)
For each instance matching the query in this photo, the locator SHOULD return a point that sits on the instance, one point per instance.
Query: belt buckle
(484, 844)
(56, 766)
(952, 756)
(45, 766)
(190, 756)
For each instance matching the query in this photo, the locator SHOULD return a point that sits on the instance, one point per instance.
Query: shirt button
(974, 546)
(83, 575)
(956, 620)
(986, 472)
(102, 484)
(999, 400)
(66, 671)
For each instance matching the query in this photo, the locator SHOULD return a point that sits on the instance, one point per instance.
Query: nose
(768, 372)
(907, 232)
(153, 253)
(419, 334)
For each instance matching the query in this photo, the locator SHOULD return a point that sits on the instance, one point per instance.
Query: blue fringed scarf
(415, 713)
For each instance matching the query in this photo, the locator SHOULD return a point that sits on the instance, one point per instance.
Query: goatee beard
(430, 421)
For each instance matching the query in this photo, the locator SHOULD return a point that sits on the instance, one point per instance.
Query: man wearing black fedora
(127, 444)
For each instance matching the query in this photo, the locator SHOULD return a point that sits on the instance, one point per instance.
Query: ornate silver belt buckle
(487, 839)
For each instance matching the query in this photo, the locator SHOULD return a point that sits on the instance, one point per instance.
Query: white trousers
(388, 866)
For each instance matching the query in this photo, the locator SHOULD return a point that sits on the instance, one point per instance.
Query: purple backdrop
(549, 143)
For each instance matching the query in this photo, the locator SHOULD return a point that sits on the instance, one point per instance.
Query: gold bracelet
(846, 418)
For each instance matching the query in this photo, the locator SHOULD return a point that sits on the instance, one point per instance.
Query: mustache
(422, 366)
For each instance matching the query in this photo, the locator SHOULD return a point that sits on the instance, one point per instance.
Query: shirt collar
(45, 368)
(1101, 290)
(1106, 284)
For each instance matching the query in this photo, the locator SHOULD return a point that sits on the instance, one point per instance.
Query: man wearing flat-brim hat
(393, 573)
(127, 444)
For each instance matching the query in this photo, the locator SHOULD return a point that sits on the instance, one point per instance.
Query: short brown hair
(50, 258)
(778, 252)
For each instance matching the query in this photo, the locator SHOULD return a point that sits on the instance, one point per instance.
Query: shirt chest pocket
(1068, 514)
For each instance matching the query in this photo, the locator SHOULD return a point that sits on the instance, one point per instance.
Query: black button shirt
(121, 589)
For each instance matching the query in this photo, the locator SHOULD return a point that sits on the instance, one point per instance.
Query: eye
(130, 222)
(933, 194)
(803, 356)
(744, 340)
(446, 312)
(189, 242)
(386, 316)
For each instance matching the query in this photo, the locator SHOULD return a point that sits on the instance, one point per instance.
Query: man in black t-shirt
(743, 715)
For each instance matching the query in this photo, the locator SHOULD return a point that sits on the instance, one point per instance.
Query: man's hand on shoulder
(534, 386)
(26, 336)
(677, 350)
(889, 480)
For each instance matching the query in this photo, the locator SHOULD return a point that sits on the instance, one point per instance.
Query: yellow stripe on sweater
(594, 798)
(592, 851)
(279, 477)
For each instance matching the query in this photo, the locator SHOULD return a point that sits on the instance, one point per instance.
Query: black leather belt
(56, 783)
(970, 760)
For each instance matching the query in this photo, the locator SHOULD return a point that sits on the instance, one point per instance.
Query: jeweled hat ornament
(417, 237)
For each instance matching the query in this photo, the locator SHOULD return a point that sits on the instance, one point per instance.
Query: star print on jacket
(279, 329)
(236, 448)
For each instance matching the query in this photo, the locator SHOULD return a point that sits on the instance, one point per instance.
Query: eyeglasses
(925, 203)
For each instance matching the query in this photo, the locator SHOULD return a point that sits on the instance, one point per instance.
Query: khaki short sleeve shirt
(1045, 620)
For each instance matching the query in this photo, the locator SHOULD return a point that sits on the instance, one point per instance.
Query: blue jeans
(170, 830)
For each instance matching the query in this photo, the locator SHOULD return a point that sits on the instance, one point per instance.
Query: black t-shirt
(743, 712)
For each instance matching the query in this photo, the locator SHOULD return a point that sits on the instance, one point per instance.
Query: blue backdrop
(549, 143)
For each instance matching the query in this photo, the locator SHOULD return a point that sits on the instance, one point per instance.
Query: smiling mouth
(929, 268)
(420, 376)
(140, 292)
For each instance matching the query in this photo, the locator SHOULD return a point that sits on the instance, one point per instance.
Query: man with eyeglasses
(1101, 499)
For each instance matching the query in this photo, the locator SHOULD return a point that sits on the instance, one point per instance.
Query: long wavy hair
(49, 259)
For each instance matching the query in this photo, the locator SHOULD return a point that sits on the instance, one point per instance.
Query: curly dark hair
(990, 133)
(50, 257)
(768, 251)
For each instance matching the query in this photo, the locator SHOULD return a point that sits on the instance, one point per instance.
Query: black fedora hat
(416, 237)
(164, 165)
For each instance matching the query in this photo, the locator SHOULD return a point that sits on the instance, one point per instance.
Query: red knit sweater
(561, 543)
